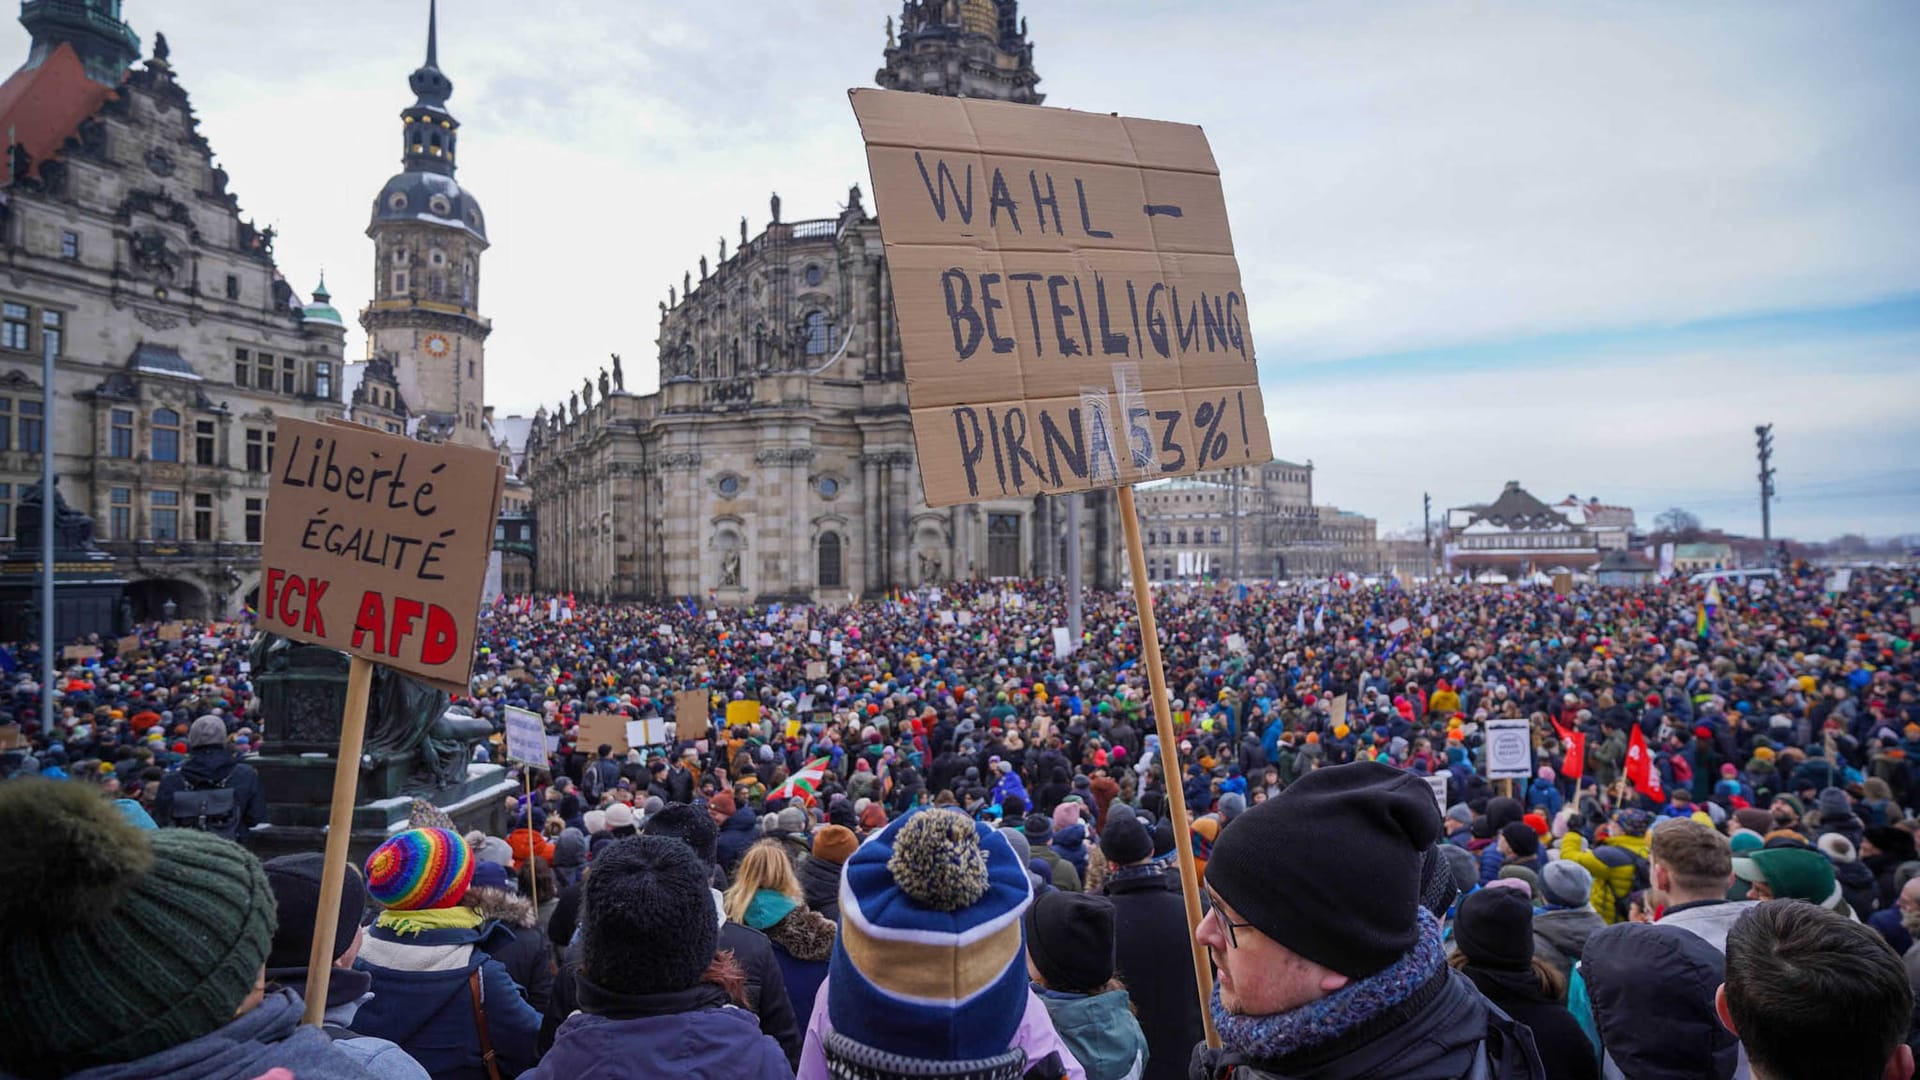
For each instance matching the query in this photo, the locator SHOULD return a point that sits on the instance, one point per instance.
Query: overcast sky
(1586, 246)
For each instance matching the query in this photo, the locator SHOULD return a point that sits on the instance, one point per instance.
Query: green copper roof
(320, 310)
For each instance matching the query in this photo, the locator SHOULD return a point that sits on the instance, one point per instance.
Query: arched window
(830, 576)
(818, 334)
(166, 435)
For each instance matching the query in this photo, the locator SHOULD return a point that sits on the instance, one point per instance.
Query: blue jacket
(1070, 844)
(690, 1034)
(421, 1001)
(736, 836)
(269, 1036)
(1544, 794)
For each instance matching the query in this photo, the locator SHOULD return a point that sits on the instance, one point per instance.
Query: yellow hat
(1340, 731)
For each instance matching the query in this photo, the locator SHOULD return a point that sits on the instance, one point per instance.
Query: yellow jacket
(1612, 877)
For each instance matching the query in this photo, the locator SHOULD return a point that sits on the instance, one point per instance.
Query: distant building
(1624, 569)
(1188, 527)
(1695, 557)
(1516, 535)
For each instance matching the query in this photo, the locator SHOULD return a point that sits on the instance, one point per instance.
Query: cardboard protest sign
(11, 739)
(598, 729)
(1070, 308)
(172, 631)
(1236, 643)
(79, 652)
(690, 710)
(743, 713)
(1062, 641)
(816, 669)
(1563, 583)
(128, 644)
(1398, 626)
(1509, 750)
(1337, 710)
(526, 738)
(377, 545)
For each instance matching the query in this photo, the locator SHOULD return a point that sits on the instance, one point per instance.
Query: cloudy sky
(1586, 246)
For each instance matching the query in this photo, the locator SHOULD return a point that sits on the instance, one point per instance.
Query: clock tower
(428, 234)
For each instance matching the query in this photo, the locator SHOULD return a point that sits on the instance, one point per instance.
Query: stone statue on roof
(161, 50)
(723, 249)
(606, 385)
(619, 377)
(743, 232)
(703, 268)
(775, 204)
(586, 392)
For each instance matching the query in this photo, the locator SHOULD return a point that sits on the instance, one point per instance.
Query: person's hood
(268, 1036)
(502, 906)
(208, 764)
(1070, 837)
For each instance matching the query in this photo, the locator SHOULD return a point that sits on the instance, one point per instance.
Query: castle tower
(428, 234)
(961, 48)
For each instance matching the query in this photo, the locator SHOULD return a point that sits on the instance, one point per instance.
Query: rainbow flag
(1701, 628)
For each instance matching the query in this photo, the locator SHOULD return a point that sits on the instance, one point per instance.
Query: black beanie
(1125, 841)
(1521, 838)
(1494, 929)
(1070, 938)
(647, 923)
(295, 881)
(1163, 837)
(1438, 890)
(1039, 827)
(678, 821)
(1330, 867)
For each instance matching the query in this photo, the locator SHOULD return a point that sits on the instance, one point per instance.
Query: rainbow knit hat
(420, 869)
(929, 964)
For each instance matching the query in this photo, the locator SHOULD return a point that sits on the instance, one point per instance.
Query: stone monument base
(300, 789)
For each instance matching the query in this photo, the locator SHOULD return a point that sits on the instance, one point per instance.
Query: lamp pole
(47, 501)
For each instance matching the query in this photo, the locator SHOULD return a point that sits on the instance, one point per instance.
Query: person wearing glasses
(1326, 963)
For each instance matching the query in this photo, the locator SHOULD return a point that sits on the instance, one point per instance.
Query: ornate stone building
(777, 459)
(177, 342)
(1188, 527)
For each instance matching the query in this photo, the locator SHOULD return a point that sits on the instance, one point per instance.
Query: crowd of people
(925, 836)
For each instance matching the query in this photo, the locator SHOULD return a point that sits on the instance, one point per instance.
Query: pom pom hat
(419, 870)
(928, 964)
(119, 943)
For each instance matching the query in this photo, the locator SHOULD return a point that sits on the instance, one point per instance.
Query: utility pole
(1426, 528)
(48, 612)
(1764, 438)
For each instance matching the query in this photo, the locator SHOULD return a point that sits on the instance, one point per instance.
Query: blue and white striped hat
(929, 963)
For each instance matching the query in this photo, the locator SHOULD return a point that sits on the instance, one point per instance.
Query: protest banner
(1509, 750)
(816, 669)
(377, 546)
(1398, 626)
(172, 631)
(1062, 641)
(601, 729)
(741, 713)
(1071, 317)
(690, 711)
(1438, 782)
(526, 737)
(77, 653)
(128, 644)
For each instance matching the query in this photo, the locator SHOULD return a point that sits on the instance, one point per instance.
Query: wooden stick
(1169, 757)
(533, 841)
(333, 870)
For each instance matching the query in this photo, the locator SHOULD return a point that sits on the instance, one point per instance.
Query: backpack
(1508, 1052)
(206, 807)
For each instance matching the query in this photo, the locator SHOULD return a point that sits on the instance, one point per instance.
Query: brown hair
(1552, 983)
(1796, 972)
(1697, 857)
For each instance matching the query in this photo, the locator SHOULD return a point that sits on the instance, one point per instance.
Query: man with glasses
(1326, 962)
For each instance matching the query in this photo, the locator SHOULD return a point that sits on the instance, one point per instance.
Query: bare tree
(1677, 524)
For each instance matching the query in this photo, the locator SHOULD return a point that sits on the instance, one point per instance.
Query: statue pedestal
(299, 789)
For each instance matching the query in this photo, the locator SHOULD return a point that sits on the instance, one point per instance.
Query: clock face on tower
(437, 346)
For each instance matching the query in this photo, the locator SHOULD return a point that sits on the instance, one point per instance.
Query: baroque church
(777, 460)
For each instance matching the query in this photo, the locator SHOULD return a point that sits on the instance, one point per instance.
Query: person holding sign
(1328, 964)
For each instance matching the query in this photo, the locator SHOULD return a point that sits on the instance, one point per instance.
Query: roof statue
(160, 49)
(619, 377)
(775, 204)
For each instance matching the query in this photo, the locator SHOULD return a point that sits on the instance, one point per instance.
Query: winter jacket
(692, 1034)
(347, 990)
(1709, 919)
(1035, 1035)
(523, 950)
(737, 834)
(820, 882)
(1436, 1034)
(1150, 947)
(1101, 1031)
(1560, 935)
(802, 943)
(1613, 871)
(215, 766)
(1070, 844)
(1060, 871)
(270, 1036)
(1564, 1048)
(1664, 1027)
(422, 1000)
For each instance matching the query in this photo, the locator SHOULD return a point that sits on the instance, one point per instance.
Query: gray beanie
(1566, 884)
(1460, 813)
(207, 731)
(1018, 838)
(1232, 805)
(792, 820)
(1466, 868)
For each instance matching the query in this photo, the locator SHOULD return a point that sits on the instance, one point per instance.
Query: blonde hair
(764, 866)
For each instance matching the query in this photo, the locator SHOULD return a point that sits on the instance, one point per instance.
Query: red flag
(1574, 765)
(1640, 771)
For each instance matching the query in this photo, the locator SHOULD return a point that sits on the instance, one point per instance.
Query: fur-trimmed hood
(504, 906)
(805, 935)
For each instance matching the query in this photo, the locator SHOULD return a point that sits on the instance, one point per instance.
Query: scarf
(1271, 1038)
(767, 907)
(414, 922)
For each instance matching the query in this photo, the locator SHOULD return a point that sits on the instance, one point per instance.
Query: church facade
(177, 343)
(777, 459)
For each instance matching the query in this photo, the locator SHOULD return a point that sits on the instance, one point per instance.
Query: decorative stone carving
(680, 460)
(159, 320)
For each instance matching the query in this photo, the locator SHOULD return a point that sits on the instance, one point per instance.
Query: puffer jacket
(693, 1034)
(1070, 844)
(1612, 871)
(422, 1000)
(1101, 1031)
(523, 950)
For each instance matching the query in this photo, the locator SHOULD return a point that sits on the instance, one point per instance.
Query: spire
(433, 34)
(430, 130)
(430, 86)
(320, 293)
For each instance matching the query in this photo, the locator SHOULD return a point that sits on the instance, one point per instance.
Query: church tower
(428, 234)
(961, 48)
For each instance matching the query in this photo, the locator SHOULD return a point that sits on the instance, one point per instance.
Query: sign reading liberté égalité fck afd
(1070, 308)
(377, 545)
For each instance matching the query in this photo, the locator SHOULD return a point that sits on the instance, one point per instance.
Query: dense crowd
(927, 836)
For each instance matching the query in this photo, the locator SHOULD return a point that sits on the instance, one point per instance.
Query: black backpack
(207, 807)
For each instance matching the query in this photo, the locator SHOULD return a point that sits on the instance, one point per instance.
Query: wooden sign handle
(1169, 757)
(333, 870)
